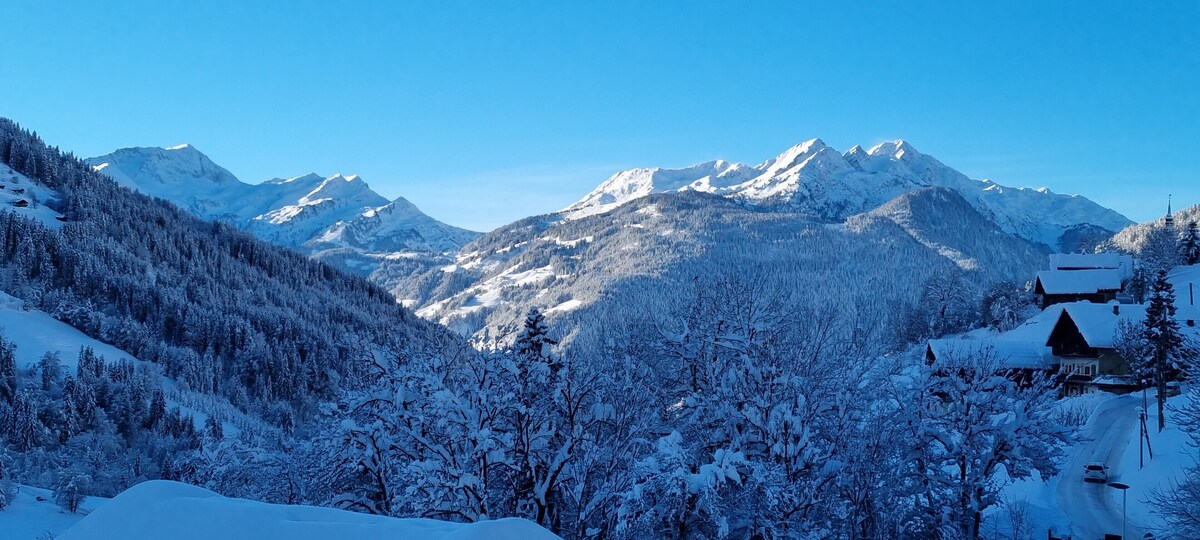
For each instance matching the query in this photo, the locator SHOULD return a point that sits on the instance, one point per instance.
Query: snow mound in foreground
(161, 509)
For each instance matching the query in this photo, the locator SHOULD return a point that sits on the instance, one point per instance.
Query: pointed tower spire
(1169, 219)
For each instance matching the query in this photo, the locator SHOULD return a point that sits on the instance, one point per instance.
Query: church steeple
(1169, 220)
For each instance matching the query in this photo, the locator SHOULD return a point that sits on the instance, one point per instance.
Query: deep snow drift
(161, 509)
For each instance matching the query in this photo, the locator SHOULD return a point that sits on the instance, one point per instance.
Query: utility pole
(1143, 437)
(1124, 505)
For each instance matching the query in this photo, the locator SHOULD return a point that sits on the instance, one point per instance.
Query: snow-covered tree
(7, 487)
(1161, 249)
(8, 371)
(978, 418)
(69, 492)
(1139, 283)
(1189, 244)
(51, 369)
(213, 430)
(26, 430)
(1130, 342)
(1003, 305)
(1165, 342)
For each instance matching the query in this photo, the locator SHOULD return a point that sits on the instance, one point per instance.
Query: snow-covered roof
(1114, 380)
(1079, 281)
(1027, 346)
(1097, 323)
(1038, 328)
(1092, 261)
(1009, 353)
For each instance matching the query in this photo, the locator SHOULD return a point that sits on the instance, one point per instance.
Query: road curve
(1095, 509)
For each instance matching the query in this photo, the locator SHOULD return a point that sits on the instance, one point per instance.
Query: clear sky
(484, 112)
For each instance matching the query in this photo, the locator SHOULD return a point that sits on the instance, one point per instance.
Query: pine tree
(158, 410)
(69, 417)
(1190, 244)
(51, 369)
(167, 470)
(26, 429)
(1163, 336)
(534, 343)
(213, 429)
(1139, 284)
(8, 371)
(7, 490)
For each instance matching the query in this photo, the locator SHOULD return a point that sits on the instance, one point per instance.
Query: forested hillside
(917, 266)
(263, 330)
(714, 370)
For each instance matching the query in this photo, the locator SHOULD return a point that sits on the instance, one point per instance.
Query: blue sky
(485, 112)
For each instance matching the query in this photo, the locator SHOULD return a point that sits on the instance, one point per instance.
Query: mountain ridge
(814, 179)
(308, 213)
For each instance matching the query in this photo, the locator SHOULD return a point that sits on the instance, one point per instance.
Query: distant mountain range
(824, 184)
(337, 218)
(890, 210)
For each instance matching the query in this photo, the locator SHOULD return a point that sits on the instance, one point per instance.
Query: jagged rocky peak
(828, 185)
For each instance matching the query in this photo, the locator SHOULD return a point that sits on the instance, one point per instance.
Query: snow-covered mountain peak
(793, 156)
(898, 149)
(311, 212)
(142, 168)
(399, 208)
(310, 178)
(827, 185)
(346, 188)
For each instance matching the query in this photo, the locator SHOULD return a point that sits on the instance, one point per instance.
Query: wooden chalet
(21, 203)
(1075, 342)
(1062, 286)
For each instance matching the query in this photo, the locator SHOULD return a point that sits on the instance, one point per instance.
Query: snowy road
(1095, 509)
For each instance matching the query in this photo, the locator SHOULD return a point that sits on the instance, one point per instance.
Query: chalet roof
(1026, 346)
(1078, 281)
(1093, 261)
(1038, 328)
(1009, 353)
(1097, 323)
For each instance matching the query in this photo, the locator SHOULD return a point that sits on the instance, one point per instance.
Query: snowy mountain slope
(162, 509)
(16, 187)
(310, 213)
(218, 317)
(394, 227)
(34, 515)
(35, 333)
(180, 174)
(942, 220)
(644, 252)
(813, 179)
(1133, 238)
